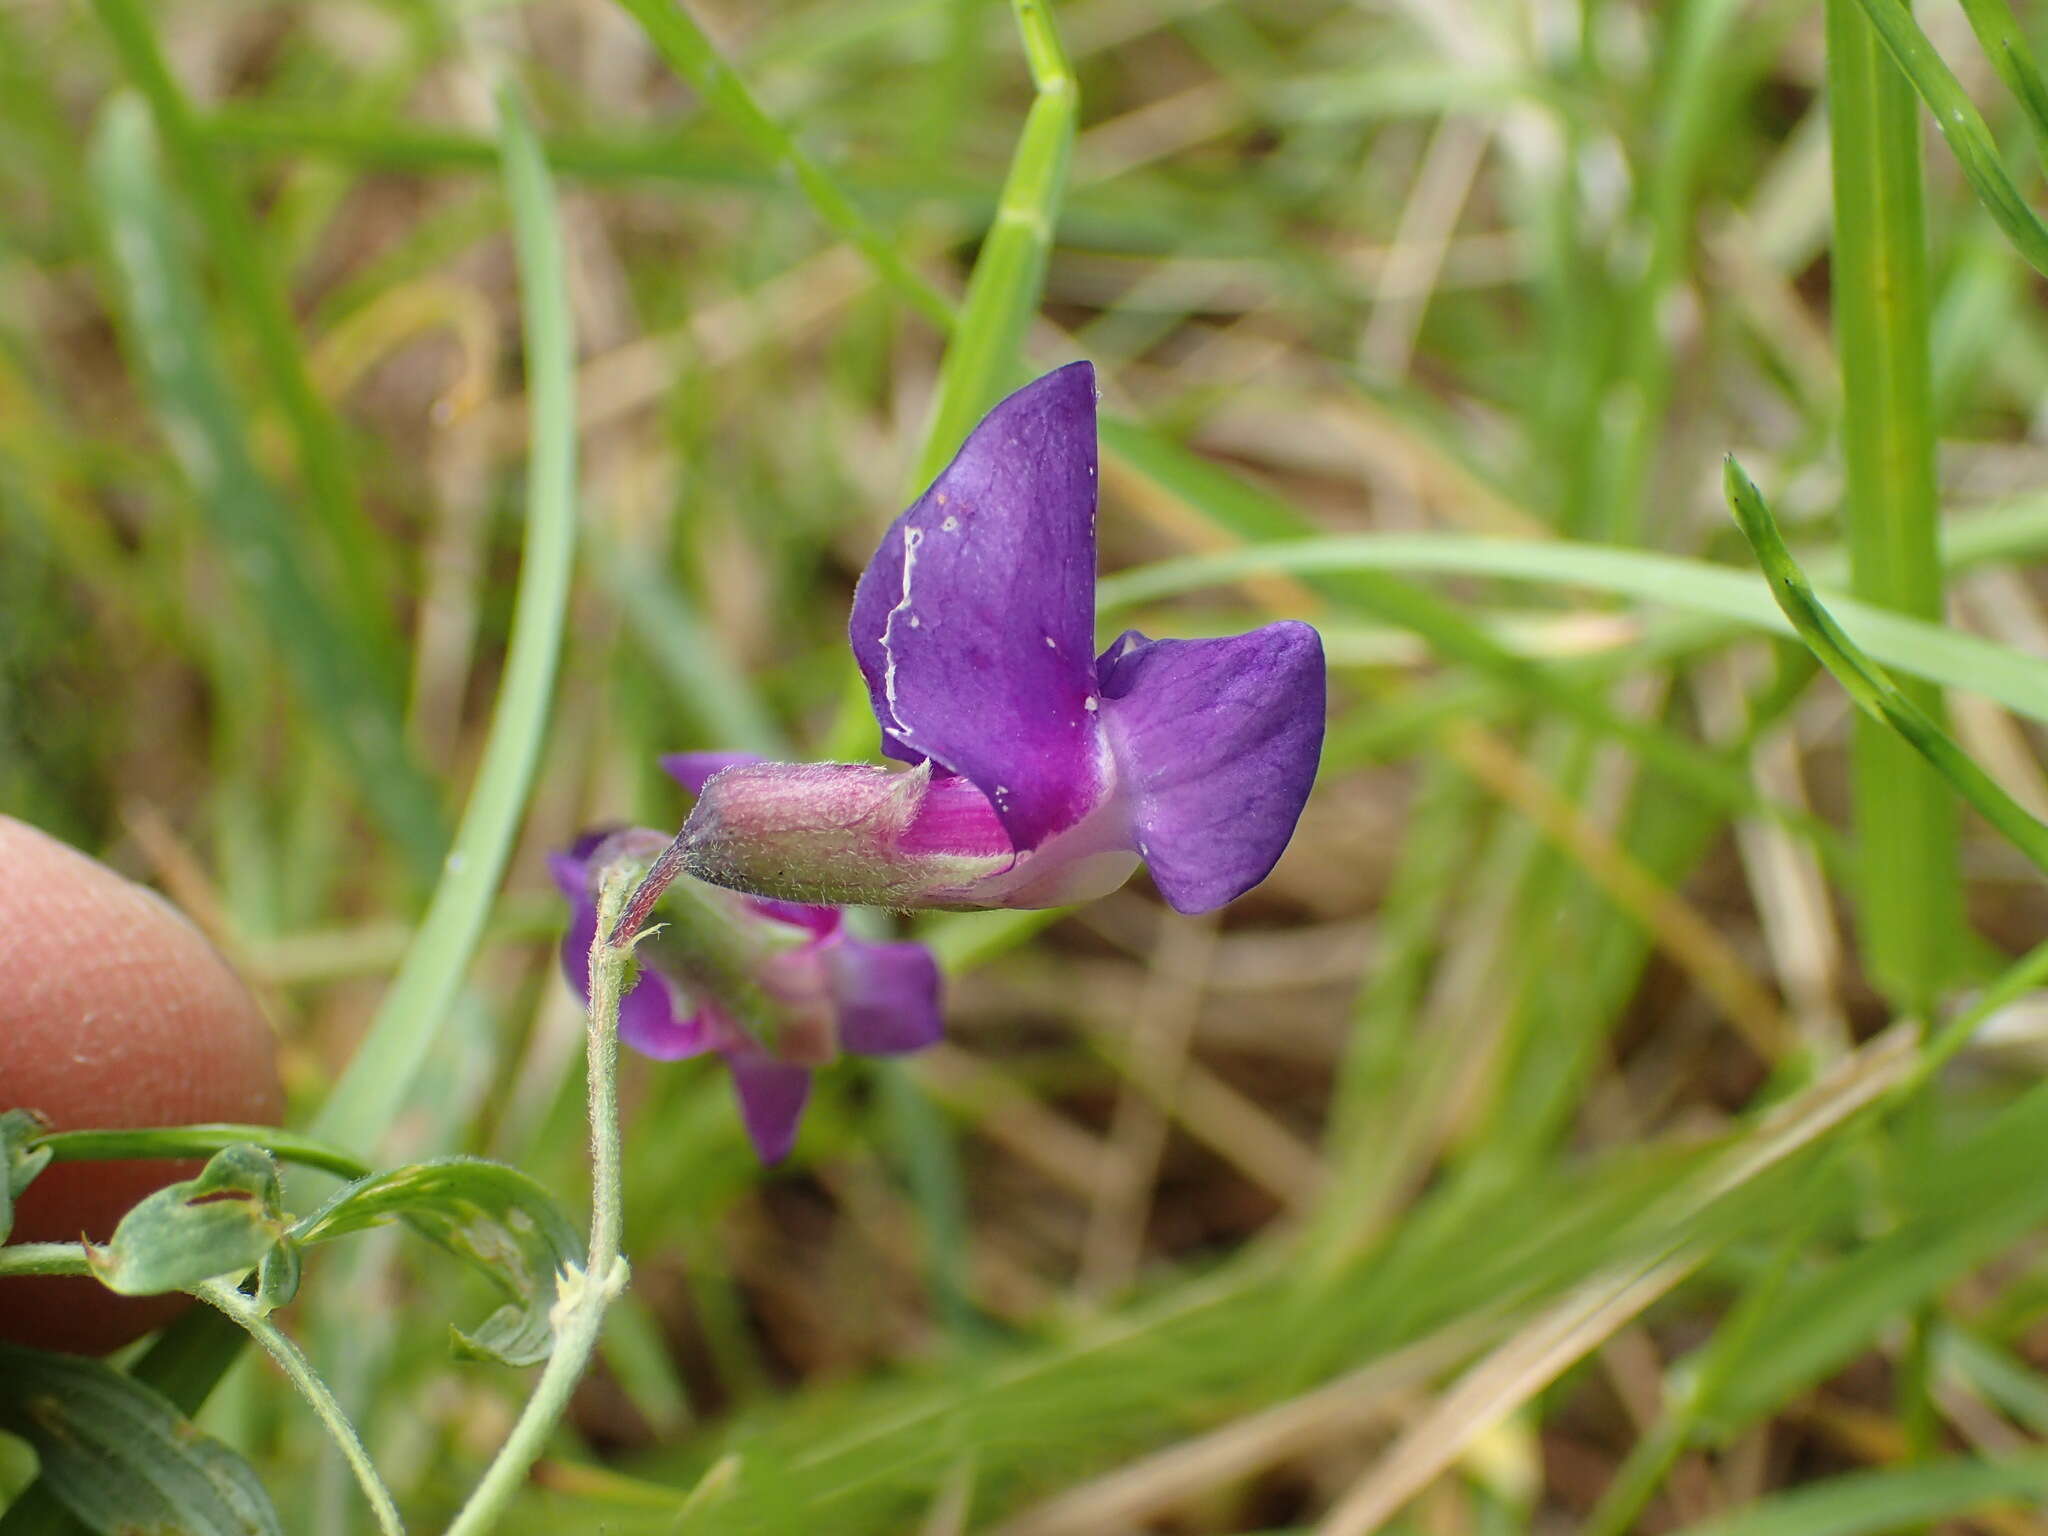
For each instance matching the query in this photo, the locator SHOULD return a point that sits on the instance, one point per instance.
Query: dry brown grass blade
(1585, 1318)
(1373, 1394)
(1154, 1060)
(1784, 875)
(1442, 185)
(639, 374)
(1687, 938)
(1011, 1116)
(1561, 1335)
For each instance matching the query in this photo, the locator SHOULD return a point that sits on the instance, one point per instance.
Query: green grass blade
(421, 996)
(1248, 512)
(1961, 124)
(689, 656)
(1890, 1500)
(986, 350)
(683, 45)
(239, 246)
(2018, 979)
(251, 522)
(1939, 654)
(1875, 694)
(2013, 57)
(261, 130)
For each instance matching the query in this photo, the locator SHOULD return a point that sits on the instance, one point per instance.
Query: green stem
(2024, 975)
(584, 1293)
(197, 1141)
(1909, 908)
(244, 1313)
(44, 1259)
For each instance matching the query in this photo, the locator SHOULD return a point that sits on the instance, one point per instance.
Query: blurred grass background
(1534, 1150)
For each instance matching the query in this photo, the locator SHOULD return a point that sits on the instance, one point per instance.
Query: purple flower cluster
(1040, 774)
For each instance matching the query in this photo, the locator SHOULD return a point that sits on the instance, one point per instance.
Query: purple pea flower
(1041, 773)
(776, 988)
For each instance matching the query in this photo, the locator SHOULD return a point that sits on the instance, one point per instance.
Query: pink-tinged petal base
(1216, 745)
(821, 922)
(1082, 863)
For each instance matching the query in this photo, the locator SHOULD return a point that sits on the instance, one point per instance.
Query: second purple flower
(774, 988)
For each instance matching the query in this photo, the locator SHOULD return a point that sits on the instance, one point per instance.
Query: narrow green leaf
(255, 530)
(388, 1061)
(1957, 1212)
(1932, 651)
(19, 1160)
(238, 244)
(1875, 693)
(224, 1222)
(1962, 125)
(2013, 57)
(690, 656)
(491, 1215)
(987, 345)
(683, 45)
(121, 1458)
(1252, 513)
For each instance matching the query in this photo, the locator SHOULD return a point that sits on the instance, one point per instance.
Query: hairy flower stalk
(1040, 773)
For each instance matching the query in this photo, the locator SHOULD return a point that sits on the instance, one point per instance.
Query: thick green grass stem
(1908, 902)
